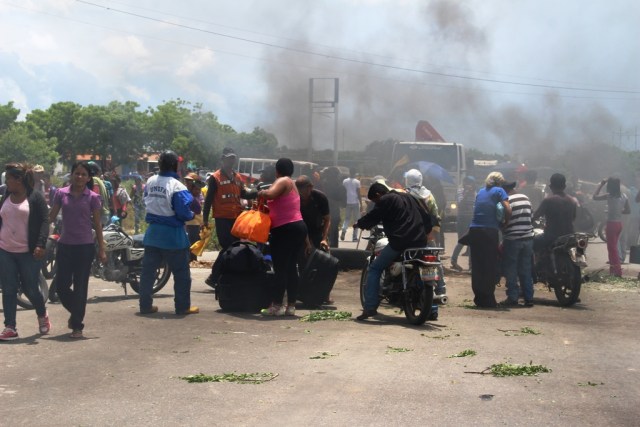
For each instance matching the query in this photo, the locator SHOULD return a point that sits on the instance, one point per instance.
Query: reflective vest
(226, 202)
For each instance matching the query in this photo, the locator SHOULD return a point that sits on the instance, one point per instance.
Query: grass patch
(602, 278)
(252, 378)
(530, 331)
(464, 353)
(512, 370)
(397, 349)
(316, 316)
(589, 384)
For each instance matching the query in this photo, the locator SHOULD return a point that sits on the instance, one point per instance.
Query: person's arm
(208, 200)
(97, 225)
(43, 232)
(181, 203)
(326, 224)
(278, 188)
(597, 195)
(507, 211)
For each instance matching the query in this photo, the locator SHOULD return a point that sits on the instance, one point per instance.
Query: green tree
(26, 142)
(8, 115)
(59, 122)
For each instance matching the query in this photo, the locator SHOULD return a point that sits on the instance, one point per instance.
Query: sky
(517, 77)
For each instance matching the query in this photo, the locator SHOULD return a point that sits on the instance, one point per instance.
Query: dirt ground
(384, 372)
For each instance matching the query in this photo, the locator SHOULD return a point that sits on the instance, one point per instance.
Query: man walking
(517, 247)
(168, 207)
(352, 212)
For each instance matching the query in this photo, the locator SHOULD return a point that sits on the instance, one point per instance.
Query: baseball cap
(38, 168)
(228, 152)
(191, 176)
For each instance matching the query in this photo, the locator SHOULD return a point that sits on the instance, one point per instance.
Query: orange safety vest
(226, 202)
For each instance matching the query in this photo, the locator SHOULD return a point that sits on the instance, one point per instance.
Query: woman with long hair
(617, 204)
(81, 211)
(23, 236)
(288, 235)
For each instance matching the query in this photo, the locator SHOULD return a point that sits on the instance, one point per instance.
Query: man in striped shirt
(517, 250)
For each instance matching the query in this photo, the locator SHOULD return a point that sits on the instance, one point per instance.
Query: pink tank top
(285, 209)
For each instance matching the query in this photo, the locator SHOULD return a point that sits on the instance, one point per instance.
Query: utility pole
(323, 102)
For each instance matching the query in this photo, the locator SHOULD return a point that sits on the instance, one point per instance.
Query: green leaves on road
(252, 378)
(316, 316)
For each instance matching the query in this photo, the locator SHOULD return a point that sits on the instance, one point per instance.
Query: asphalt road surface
(128, 369)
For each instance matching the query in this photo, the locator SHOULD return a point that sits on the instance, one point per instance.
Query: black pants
(74, 269)
(286, 242)
(225, 239)
(484, 258)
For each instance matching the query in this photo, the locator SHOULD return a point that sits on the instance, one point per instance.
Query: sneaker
(76, 334)
(367, 313)
(456, 266)
(528, 303)
(509, 303)
(9, 334)
(44, 324)
(190, 310)
(273, 310)
(149, 310)
(290, 310)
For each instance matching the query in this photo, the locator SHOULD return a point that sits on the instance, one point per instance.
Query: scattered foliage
(512, 370)
(323, 355)
(252, 378)
(464, 353)
(316, 316)
(397, 349)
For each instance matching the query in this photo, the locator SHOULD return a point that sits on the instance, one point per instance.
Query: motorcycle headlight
(453, 206)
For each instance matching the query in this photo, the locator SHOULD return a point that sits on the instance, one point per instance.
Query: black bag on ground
(317, 278)
(634, 254)
(244, 278)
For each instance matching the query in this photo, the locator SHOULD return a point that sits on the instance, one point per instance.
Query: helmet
(168, 161)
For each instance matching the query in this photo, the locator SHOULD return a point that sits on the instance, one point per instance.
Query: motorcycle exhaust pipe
(442, 299)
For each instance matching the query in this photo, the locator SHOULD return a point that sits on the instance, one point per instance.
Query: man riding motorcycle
(559, 211)
(406, 225)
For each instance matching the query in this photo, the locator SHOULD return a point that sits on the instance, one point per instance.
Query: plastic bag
(253, 225)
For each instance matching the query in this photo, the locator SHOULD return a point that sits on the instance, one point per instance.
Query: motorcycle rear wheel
(161, 278)
(418, 299)
(24, 302)
(568, 282)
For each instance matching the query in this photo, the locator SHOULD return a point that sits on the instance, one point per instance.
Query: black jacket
(405, 223)
(38, 221)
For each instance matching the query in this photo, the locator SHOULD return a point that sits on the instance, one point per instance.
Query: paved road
(385, 372)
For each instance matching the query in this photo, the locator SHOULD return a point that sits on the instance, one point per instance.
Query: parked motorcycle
(409, 282)
(560, 265)
(49, 264)
(124, 262)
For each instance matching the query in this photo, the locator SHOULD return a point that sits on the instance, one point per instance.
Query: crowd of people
(494, 221)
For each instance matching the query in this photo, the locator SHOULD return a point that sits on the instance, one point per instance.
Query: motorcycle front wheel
(161, 279)
(568, 282)
(418, 299)
(363, 284)
(24, 302)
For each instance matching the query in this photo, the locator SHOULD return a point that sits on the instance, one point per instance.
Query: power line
(351, 60)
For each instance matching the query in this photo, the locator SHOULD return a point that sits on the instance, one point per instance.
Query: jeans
(16, 269)
(372, 290)
(351, 215)
(516, 264)
(74, 268)
(178, 263)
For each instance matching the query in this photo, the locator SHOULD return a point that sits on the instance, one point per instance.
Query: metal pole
(335, 122)
(310, 148)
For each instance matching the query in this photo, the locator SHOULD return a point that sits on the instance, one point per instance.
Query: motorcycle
(409, 282)
(49, 264)
(124, 262)
(560, 265)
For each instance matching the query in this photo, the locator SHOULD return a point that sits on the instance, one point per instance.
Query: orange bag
(253, 225)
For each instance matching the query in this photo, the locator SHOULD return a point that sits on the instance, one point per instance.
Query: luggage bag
(317, 278)
(244, 292)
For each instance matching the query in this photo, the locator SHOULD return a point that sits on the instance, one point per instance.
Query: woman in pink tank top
(288, 236)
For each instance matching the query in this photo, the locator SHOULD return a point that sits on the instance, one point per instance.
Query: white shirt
(352, 186)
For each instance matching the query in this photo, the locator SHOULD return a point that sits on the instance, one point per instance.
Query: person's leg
(510, 257)
(223, 231)
(29, 268)
(178, 263)
(279, 256)
(9, 278)
(455, 255)
(83, 256)
(297, 232)
(613, 234)
(334, 228)
(372, 290)
(524, 270)
(150, 263)
(484, 256)
(64, 275)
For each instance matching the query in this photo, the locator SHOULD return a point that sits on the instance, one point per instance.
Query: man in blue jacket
(168, 202)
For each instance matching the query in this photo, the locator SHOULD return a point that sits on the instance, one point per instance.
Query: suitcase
(244, 292)
(634, 255)
(317, 278)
